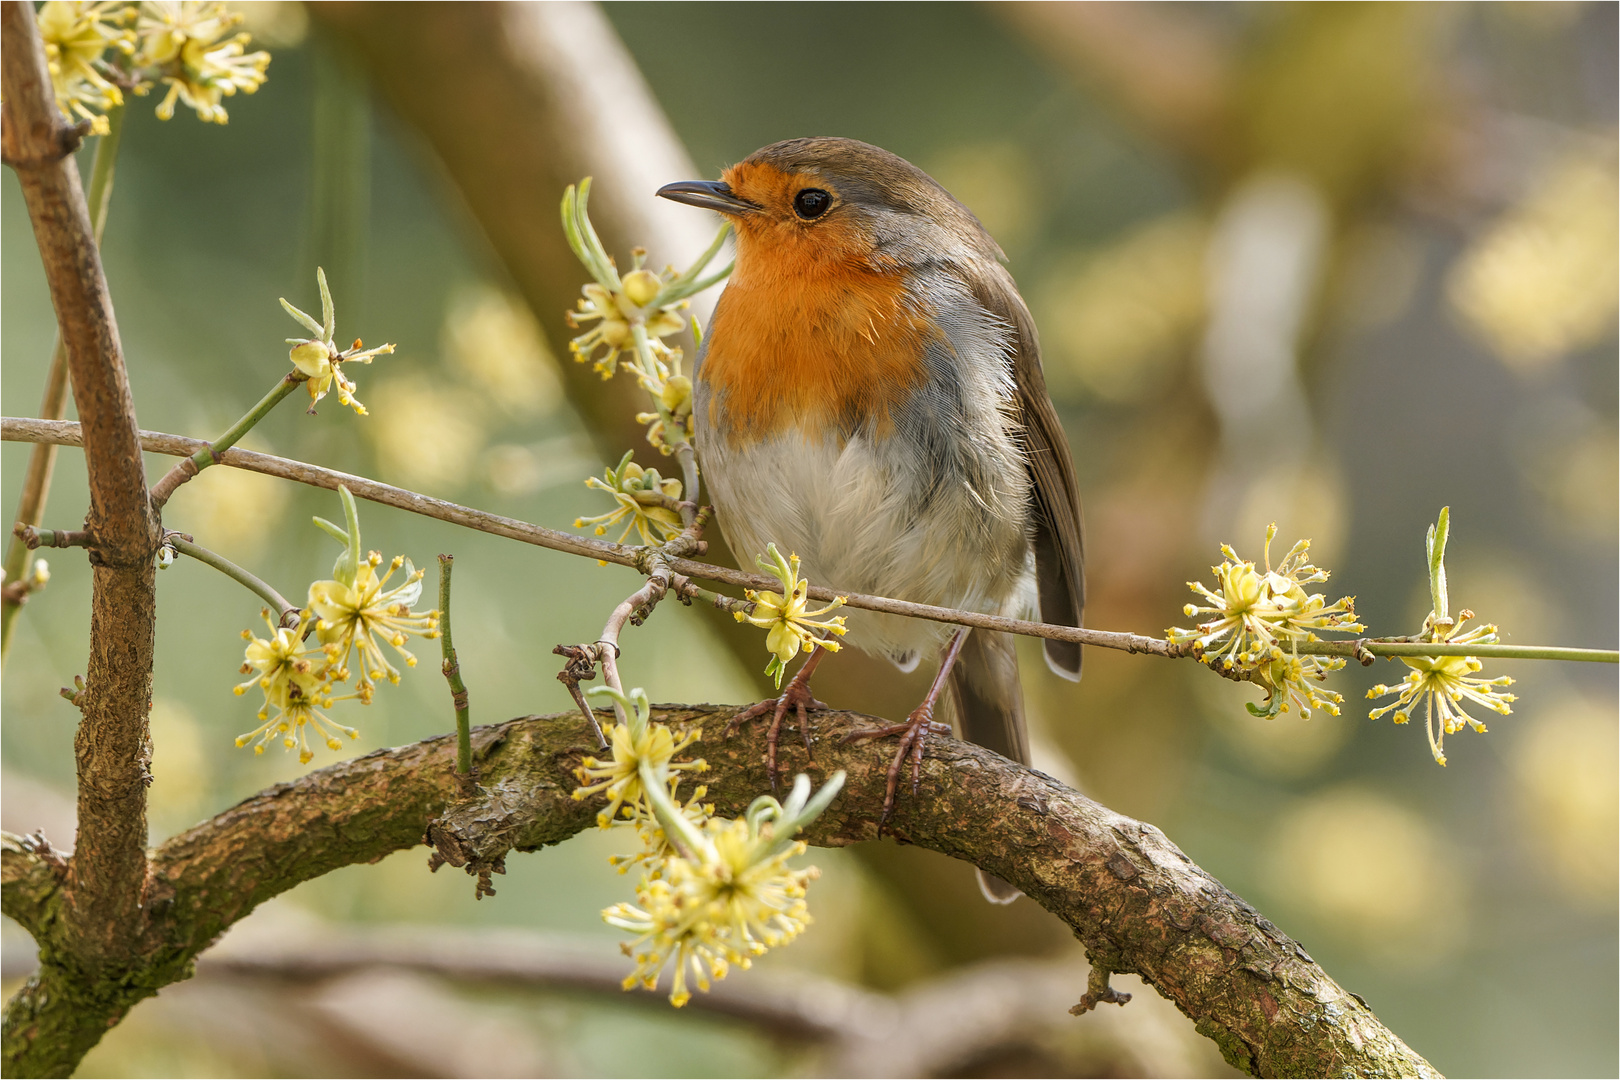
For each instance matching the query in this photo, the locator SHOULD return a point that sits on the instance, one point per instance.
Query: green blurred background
(1330, 265)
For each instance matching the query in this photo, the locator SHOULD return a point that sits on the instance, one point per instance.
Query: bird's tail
(990, 706)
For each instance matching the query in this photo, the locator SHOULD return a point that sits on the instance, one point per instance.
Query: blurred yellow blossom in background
(1373, 872)
(426, 434)
(1568, 787)
(492, 338)
(1543, 280)
(232, 511)
(1116, 321)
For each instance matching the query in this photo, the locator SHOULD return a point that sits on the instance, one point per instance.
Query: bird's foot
(797, 697)
(913, 736)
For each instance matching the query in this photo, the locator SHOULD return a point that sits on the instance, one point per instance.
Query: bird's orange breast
(806, 336)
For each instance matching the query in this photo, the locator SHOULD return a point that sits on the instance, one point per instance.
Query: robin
(869, 395)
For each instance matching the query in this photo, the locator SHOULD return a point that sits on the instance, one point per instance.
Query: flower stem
(1419, 648)
(674, 431)
(452, 675)
(42, 459)
(209, 455)
(102, 168)
(288, 613)
(680, 830)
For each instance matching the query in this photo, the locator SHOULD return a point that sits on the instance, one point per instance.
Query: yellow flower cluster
(353, 616)
(1289, 682)
(1440, 683)
(76, 35)
(714, 893)
(294, 680)
(633, 315)
(184, 44)
(619, 780)
(320, 360)
(788, 616)
(347, 615)
(1255, 613)
(709, 915)
(645, 502)
(617, 314)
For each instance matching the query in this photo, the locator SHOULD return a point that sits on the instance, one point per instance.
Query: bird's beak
(709, 194)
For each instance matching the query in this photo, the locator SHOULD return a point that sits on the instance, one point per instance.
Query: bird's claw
(913, 737)
(797, 697)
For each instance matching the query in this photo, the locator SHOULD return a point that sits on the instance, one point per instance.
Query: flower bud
(312, 358)
(677, 395)
(641, 286)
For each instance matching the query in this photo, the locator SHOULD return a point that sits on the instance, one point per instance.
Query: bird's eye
(811, 203)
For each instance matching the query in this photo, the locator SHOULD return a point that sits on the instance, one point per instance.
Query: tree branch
(101, 912)
(32, 873)
(1131, 897)
(66, 433)
(933, 1028)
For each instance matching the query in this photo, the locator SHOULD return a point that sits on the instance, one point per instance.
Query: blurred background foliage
(1332, 265)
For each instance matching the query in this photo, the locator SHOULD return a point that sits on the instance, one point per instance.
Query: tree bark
(100, 906)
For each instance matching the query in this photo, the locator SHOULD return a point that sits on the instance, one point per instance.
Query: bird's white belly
(873, 517)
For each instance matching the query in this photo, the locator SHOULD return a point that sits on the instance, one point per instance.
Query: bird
(869, 395)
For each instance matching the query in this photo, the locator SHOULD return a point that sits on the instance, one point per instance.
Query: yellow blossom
(292, 725)
(294, 682)
(643, 499)
(634, 745)
(281, 666)
(640, 303)
(656, 846)
(1289, 681)
(1440, 683)
(185, 40)
(787, 616)
(1255, 613)
(76, 34)
(320, 359)
(724, 907)
(352, 617)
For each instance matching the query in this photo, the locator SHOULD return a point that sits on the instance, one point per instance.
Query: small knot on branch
(475, 833)
(63, 141)
(182, 471)
(1098, 992)
(59, 538)
(581, 667)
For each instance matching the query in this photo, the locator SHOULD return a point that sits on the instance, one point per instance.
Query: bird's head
(833, 202)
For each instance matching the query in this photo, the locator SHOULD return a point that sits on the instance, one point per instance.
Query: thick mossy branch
(1132, 898)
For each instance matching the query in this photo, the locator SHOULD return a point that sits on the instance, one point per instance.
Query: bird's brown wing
(1059, 545)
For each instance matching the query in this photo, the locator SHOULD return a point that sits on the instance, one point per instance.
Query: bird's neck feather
(808, 337)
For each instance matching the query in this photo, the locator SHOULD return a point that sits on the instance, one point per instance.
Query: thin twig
(33, 538)
(66, 433)
(209, 454)
(287, 614)
(581, 667)
(452, 675)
